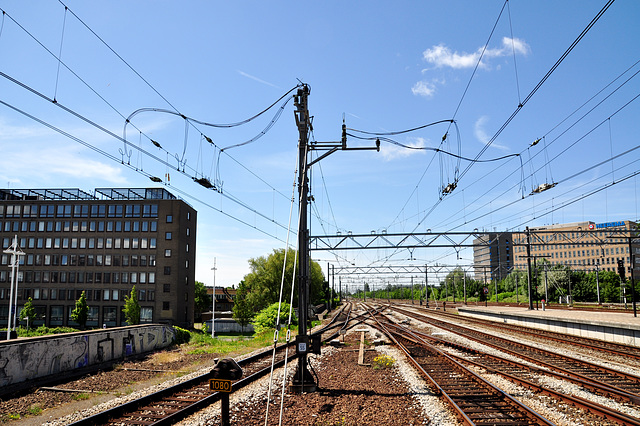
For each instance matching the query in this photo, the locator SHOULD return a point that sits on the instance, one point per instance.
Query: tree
(202, 302)
(29, 312)
(266, 319)
(81, 312)
(242, 312)
(131, 308)
(263, 282)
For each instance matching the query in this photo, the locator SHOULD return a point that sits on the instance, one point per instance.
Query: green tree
(202, 302)
(263, 282)
(266, 318)
(242, 311)
(81, 312)
(131, 308)
(28, 311)
(609, 286)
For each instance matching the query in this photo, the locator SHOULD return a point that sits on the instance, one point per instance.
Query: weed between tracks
(383, 361)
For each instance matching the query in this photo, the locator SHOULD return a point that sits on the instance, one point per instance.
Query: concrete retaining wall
(619, 333)
(38, 357)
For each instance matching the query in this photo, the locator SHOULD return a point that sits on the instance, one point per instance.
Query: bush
(182, 336)
(266, 318)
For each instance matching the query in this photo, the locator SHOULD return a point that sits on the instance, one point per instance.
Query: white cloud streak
(481, 134)
(244, 74)
(442, 56)
(391, 152)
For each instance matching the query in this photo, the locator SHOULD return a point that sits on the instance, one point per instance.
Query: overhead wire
(60, 62)
(142, 172)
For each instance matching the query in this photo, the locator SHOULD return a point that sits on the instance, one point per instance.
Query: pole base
(307, 385)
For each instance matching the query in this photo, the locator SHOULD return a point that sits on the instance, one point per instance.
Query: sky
(497, 76)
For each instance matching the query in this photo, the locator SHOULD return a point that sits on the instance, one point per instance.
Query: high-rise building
(492, 256)
(102, 243)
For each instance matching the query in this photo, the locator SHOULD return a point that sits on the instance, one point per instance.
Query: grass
(35, 410)
(80, 396)
(202, 343)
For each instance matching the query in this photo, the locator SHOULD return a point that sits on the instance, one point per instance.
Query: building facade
(492, 256)
(102, 243)
(585, 246)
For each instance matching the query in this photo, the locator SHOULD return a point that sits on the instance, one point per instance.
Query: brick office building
(102, 243)
(585, 246)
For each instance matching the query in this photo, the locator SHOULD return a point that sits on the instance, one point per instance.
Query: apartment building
(103, 243)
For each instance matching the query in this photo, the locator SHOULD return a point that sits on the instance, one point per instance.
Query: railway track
(619, 349)
(175, 403)
(518, 373)
(474, 400)
(608, 381)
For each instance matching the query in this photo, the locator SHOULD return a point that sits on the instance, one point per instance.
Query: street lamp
(15, 252)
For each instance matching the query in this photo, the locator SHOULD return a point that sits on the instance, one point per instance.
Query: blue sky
(383, 66)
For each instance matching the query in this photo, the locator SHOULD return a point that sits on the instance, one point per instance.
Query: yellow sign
(219, 385)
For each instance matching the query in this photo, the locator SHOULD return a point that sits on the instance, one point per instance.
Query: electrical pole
(426, 287)
(632, 260)
(529, 275)
(302, 121)
(213, 308)
(303, 380)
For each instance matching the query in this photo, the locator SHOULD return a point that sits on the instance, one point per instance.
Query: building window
(167, 270)
(167, 235)
(167, 253)
(146, 315)
(169, 218)
(166, 306)
(166, 288)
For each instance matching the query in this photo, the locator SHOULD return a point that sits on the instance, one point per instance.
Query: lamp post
(213, 309)
(15, 253)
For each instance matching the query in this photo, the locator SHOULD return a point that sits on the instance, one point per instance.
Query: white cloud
(53, 164)
(391, 152)
(441, 56)
(481, 134)
(423, 88)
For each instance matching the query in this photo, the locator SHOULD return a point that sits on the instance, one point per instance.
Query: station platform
(619, 327)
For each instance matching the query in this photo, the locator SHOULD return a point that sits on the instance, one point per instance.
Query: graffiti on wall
(22, 360)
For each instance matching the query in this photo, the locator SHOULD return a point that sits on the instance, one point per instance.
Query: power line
(142, 172)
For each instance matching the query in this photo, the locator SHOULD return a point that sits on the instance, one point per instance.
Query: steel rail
(196, 405)
(473, 413)
(615, 379)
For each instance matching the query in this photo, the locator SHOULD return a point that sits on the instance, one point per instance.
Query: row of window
(589, 252)
(55, 277)
(79, 226)
(92, 295)
(56, 315)
(79, 210)
(570, 236)
(587, 262)
(84, 243)
(83, 260)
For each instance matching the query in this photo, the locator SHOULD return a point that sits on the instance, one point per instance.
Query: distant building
(102, 243)
(224, 302)
(492, 256)
(586, 246)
